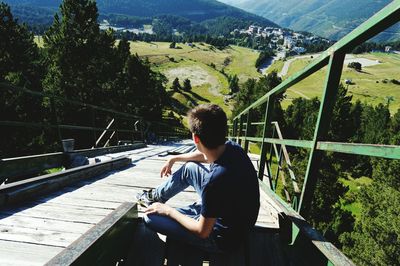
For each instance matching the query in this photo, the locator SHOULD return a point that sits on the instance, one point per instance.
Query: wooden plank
(11, 169)
(33, 187)
(106, 243)
(70, 200)
(34, 236)
(21, 254)
(107, 150)
(44, 224)
(56, 214)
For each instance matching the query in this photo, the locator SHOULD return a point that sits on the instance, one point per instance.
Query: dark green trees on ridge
(78, 63)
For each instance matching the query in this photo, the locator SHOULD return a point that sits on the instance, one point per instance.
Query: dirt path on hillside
(197, 76)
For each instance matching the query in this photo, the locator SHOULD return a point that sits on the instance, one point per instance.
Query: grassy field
(194, 62)
(368, 85)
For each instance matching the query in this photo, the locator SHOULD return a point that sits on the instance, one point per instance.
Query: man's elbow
(204, 234)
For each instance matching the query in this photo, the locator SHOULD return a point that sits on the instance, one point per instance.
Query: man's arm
(195, 156)
(202, 228)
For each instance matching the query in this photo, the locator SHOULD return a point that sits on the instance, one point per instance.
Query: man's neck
(214, 154)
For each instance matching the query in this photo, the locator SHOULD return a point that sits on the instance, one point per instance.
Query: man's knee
(192, 165)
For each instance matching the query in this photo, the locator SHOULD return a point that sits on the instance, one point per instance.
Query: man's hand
(159, 208)
(166, 169)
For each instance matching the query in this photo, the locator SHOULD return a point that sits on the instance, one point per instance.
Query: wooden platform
(35, 232)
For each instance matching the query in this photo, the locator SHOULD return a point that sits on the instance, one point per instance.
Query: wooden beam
(106, 243)
(26, 190)
(20, 168)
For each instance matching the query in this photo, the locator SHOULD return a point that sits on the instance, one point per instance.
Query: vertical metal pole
(234, 134)
(263, 155)
(321, 129)
(94, 126)
(239, 140)
(248, 122)
(133, 133)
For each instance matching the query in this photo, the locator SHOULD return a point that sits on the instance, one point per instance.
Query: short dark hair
(209, 123)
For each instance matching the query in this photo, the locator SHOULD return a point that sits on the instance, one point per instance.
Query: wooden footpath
(35, 232)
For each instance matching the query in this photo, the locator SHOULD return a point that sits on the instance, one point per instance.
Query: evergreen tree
(234, 84)
(176, 86)
(21, 65)
(79, 54)
(19, 55)
(375, 240)
(186, 85)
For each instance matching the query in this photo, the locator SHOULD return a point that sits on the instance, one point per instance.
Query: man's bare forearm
(195, 156)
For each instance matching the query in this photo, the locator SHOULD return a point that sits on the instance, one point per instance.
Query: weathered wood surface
(104, 244)
(11, 170)
(53, 221)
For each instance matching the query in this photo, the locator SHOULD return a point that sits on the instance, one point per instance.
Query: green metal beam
(384, 151)
(321, 129)
(288, 142)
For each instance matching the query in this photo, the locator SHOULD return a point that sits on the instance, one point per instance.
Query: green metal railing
(334, 58)
(127, 127)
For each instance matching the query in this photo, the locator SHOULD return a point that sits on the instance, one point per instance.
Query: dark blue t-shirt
(232, 196)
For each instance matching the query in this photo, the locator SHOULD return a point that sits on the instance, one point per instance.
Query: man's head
(208, 122)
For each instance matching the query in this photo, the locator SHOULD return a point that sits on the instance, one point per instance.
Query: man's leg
(174, 230)
(190, 174)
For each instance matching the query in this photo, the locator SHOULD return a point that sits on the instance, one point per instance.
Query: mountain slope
(195, 10)
(328, 18)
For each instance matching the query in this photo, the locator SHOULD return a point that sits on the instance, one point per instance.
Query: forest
(78, 63)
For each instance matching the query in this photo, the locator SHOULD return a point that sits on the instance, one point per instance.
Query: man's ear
(196, 139)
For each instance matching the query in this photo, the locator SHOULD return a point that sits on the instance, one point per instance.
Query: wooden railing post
(321, 128)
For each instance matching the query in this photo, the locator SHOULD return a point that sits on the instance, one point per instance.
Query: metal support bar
(239, 140)
(268, 112)
(248, 125)
(321, 129)
(104, 132)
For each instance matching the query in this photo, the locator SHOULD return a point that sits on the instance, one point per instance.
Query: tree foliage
(78, 63)
(186, 85)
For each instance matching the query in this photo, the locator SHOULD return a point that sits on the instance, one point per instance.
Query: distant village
(286, 42)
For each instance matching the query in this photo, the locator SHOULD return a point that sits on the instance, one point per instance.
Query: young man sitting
(229, 191)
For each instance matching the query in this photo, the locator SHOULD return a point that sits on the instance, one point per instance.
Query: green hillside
(372, 85)
(194, 63)
(195, 10)
(328, 18)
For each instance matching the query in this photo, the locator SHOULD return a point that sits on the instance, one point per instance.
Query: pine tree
(234, 84)
(21, 65)
(176, 86)
(186, 85)
(79, 54)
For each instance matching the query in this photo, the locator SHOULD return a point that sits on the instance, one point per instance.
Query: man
(229, 190)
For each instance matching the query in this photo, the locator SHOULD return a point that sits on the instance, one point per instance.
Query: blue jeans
(190, 174)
